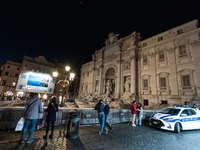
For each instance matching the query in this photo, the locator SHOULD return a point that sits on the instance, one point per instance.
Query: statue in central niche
(108, 88)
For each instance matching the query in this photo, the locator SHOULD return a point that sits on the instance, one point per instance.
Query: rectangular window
(164, 102)
(162, 82)
(17, 68)
(146, 102)
(161, 55)
(3, 82)
(186, 80)
(182, 50)
(145, 59)
(20, 86)
(50, 89)
(144, 44)
(16, 75)
(160, 38)
(6, 73)
(145, 83)
(23, 76)
(179, 31)
(86, 87)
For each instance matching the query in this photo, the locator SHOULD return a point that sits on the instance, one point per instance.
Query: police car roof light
(181, 106)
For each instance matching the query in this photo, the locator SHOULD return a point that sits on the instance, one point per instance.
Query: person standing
(139, 114)
(107, 111)
(133, 112)
(51, 117)
(40, 118)
(32, 108)
(101, 115)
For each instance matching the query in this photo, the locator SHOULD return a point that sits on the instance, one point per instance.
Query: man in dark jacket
(101, 115)
(106, 111)
(32, 108)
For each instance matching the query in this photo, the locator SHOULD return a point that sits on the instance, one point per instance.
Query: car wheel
(177, 128)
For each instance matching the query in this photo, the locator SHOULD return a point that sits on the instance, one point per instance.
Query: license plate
(154, 122)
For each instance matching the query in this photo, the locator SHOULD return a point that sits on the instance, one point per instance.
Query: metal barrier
(9, 117)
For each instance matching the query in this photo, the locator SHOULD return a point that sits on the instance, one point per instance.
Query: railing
(9, 117)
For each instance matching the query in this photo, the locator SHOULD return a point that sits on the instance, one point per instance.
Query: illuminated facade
(163, 69)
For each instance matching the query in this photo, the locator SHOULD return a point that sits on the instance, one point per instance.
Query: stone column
(100, 79)
(133, 75)
(173, 72)
(92, 84)
(195, 46)
(118, 83)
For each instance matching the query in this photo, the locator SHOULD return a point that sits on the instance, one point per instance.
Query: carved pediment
(112, 38)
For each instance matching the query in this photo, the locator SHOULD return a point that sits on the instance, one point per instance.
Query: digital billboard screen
(40, 81)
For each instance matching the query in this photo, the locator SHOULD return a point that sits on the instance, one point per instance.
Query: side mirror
(183, 115)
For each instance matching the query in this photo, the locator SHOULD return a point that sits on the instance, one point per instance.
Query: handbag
(20, 123)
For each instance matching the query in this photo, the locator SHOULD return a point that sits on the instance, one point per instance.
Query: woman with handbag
(51, 117)
(139, 114)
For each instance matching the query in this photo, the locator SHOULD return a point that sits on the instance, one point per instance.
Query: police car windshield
(170, 111)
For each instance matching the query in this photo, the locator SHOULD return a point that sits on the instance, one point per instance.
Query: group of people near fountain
(34, 111)
(103, 112)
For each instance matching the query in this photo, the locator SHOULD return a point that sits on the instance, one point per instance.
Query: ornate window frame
(163, 90)
(163, 61)
(185, 56)
(182, 88)
(145, 65)
(146, 90)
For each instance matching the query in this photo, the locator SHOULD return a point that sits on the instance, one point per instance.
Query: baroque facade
(162, 69)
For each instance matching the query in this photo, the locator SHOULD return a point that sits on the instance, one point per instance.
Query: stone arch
(109, 81)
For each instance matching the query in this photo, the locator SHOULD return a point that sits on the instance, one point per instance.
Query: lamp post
(69, 77)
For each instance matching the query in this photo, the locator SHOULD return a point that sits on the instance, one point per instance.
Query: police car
(177, 118)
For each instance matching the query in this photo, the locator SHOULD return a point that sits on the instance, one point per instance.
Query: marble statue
(108, 88)
(127, 85)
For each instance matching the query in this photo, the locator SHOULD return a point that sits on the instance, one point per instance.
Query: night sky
(72, 30)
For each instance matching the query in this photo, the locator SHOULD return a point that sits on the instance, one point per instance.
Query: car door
(194, 118)
(186, 120)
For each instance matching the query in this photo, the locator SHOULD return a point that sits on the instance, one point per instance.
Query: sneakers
(21, 141)
(41, 126)
(38, 127)
(30, 141)
(133, 125)
(99, 132)
(107, 131)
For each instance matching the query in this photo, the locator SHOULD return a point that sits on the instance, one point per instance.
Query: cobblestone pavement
(124, 137)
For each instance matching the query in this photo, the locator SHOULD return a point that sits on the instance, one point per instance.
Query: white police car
(176, 118)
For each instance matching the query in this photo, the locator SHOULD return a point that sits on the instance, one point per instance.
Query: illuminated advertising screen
(35, 82)
(40, 81)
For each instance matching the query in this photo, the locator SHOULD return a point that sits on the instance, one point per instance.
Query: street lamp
(66, 82)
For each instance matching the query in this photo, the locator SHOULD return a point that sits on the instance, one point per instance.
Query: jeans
(140, 120)
(133, 119)
(106, 124)
(26, 124)
(102, 121)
